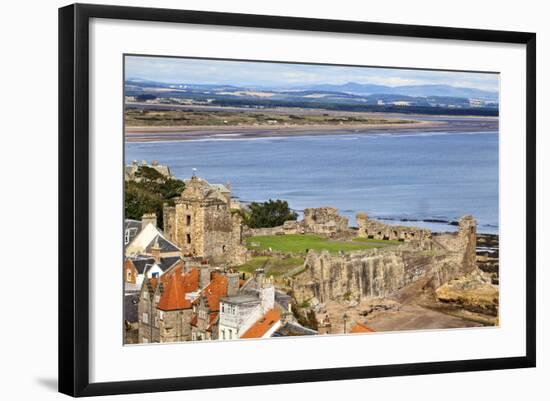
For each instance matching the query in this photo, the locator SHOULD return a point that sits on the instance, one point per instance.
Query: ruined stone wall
(169, 222)
(382, 272)
(321, 221)
(289, 227)
(263, 231)
(324, 221)
(377, 230)
(218, 231)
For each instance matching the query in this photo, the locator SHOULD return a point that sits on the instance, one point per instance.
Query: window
(145, 318)
(128, 275)
(188, 219)
(188, 238)
(155, 274)
(193, 336)
(230, 334)
(223, 334)
(161, 315)
(223, 308)
(126, 236)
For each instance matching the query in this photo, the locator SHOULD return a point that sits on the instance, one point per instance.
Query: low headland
(151, 124)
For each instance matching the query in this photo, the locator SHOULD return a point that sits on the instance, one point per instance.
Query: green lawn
(297, 243)
(273, 266)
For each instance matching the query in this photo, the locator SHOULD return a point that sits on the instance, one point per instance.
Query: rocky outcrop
(474, 292)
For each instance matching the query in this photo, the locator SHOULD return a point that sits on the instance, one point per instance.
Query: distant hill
(407, 90)
(351, 96)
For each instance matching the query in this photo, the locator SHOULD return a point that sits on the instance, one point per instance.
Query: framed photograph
(251, 199)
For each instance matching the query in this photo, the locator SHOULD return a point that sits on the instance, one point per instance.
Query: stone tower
(201, 222)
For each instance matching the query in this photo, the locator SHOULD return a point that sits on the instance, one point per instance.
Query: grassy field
(300, 243)
(142, 117)
(273, 266)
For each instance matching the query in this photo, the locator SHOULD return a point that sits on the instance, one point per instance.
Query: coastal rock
(473, 292)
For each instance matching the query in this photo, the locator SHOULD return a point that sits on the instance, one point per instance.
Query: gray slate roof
(164, 244)
(144, 262)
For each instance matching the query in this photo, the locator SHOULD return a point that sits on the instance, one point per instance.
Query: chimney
(259, 277)
(232, 284)
(148, 218)
(267, 297)
(155, 251)
(205, 271)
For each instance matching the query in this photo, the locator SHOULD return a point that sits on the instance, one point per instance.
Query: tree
(269, 214)
(149, 194)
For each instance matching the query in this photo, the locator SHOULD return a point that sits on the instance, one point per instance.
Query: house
(147, 316)
(151, 237)
(131, 230)
(175, 306)
(205, 318)
(137, 267)
(240, 312)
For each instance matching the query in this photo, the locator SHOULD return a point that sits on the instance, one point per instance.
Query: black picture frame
(74, 198)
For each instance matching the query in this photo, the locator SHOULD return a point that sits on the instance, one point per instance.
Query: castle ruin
(376, 230)
(383, 272)
(202, 224)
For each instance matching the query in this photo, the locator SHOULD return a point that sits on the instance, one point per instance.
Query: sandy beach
(433, 124)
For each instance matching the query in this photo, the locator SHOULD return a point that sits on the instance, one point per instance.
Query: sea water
(411, 176)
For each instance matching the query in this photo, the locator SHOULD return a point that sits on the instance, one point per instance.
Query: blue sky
(196, 71)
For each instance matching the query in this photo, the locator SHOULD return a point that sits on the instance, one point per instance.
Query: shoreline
(185, 133)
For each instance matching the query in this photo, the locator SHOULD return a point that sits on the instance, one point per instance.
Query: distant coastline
(184, 133)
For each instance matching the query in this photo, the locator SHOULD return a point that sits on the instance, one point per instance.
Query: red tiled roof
(175, 288)
(361, 328)
(216, 289)
(262, 326)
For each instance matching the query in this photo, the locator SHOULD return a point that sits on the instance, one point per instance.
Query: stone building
(148, 330)
(202, 224)
(206, 308)
(376, 230)
(252, 312)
